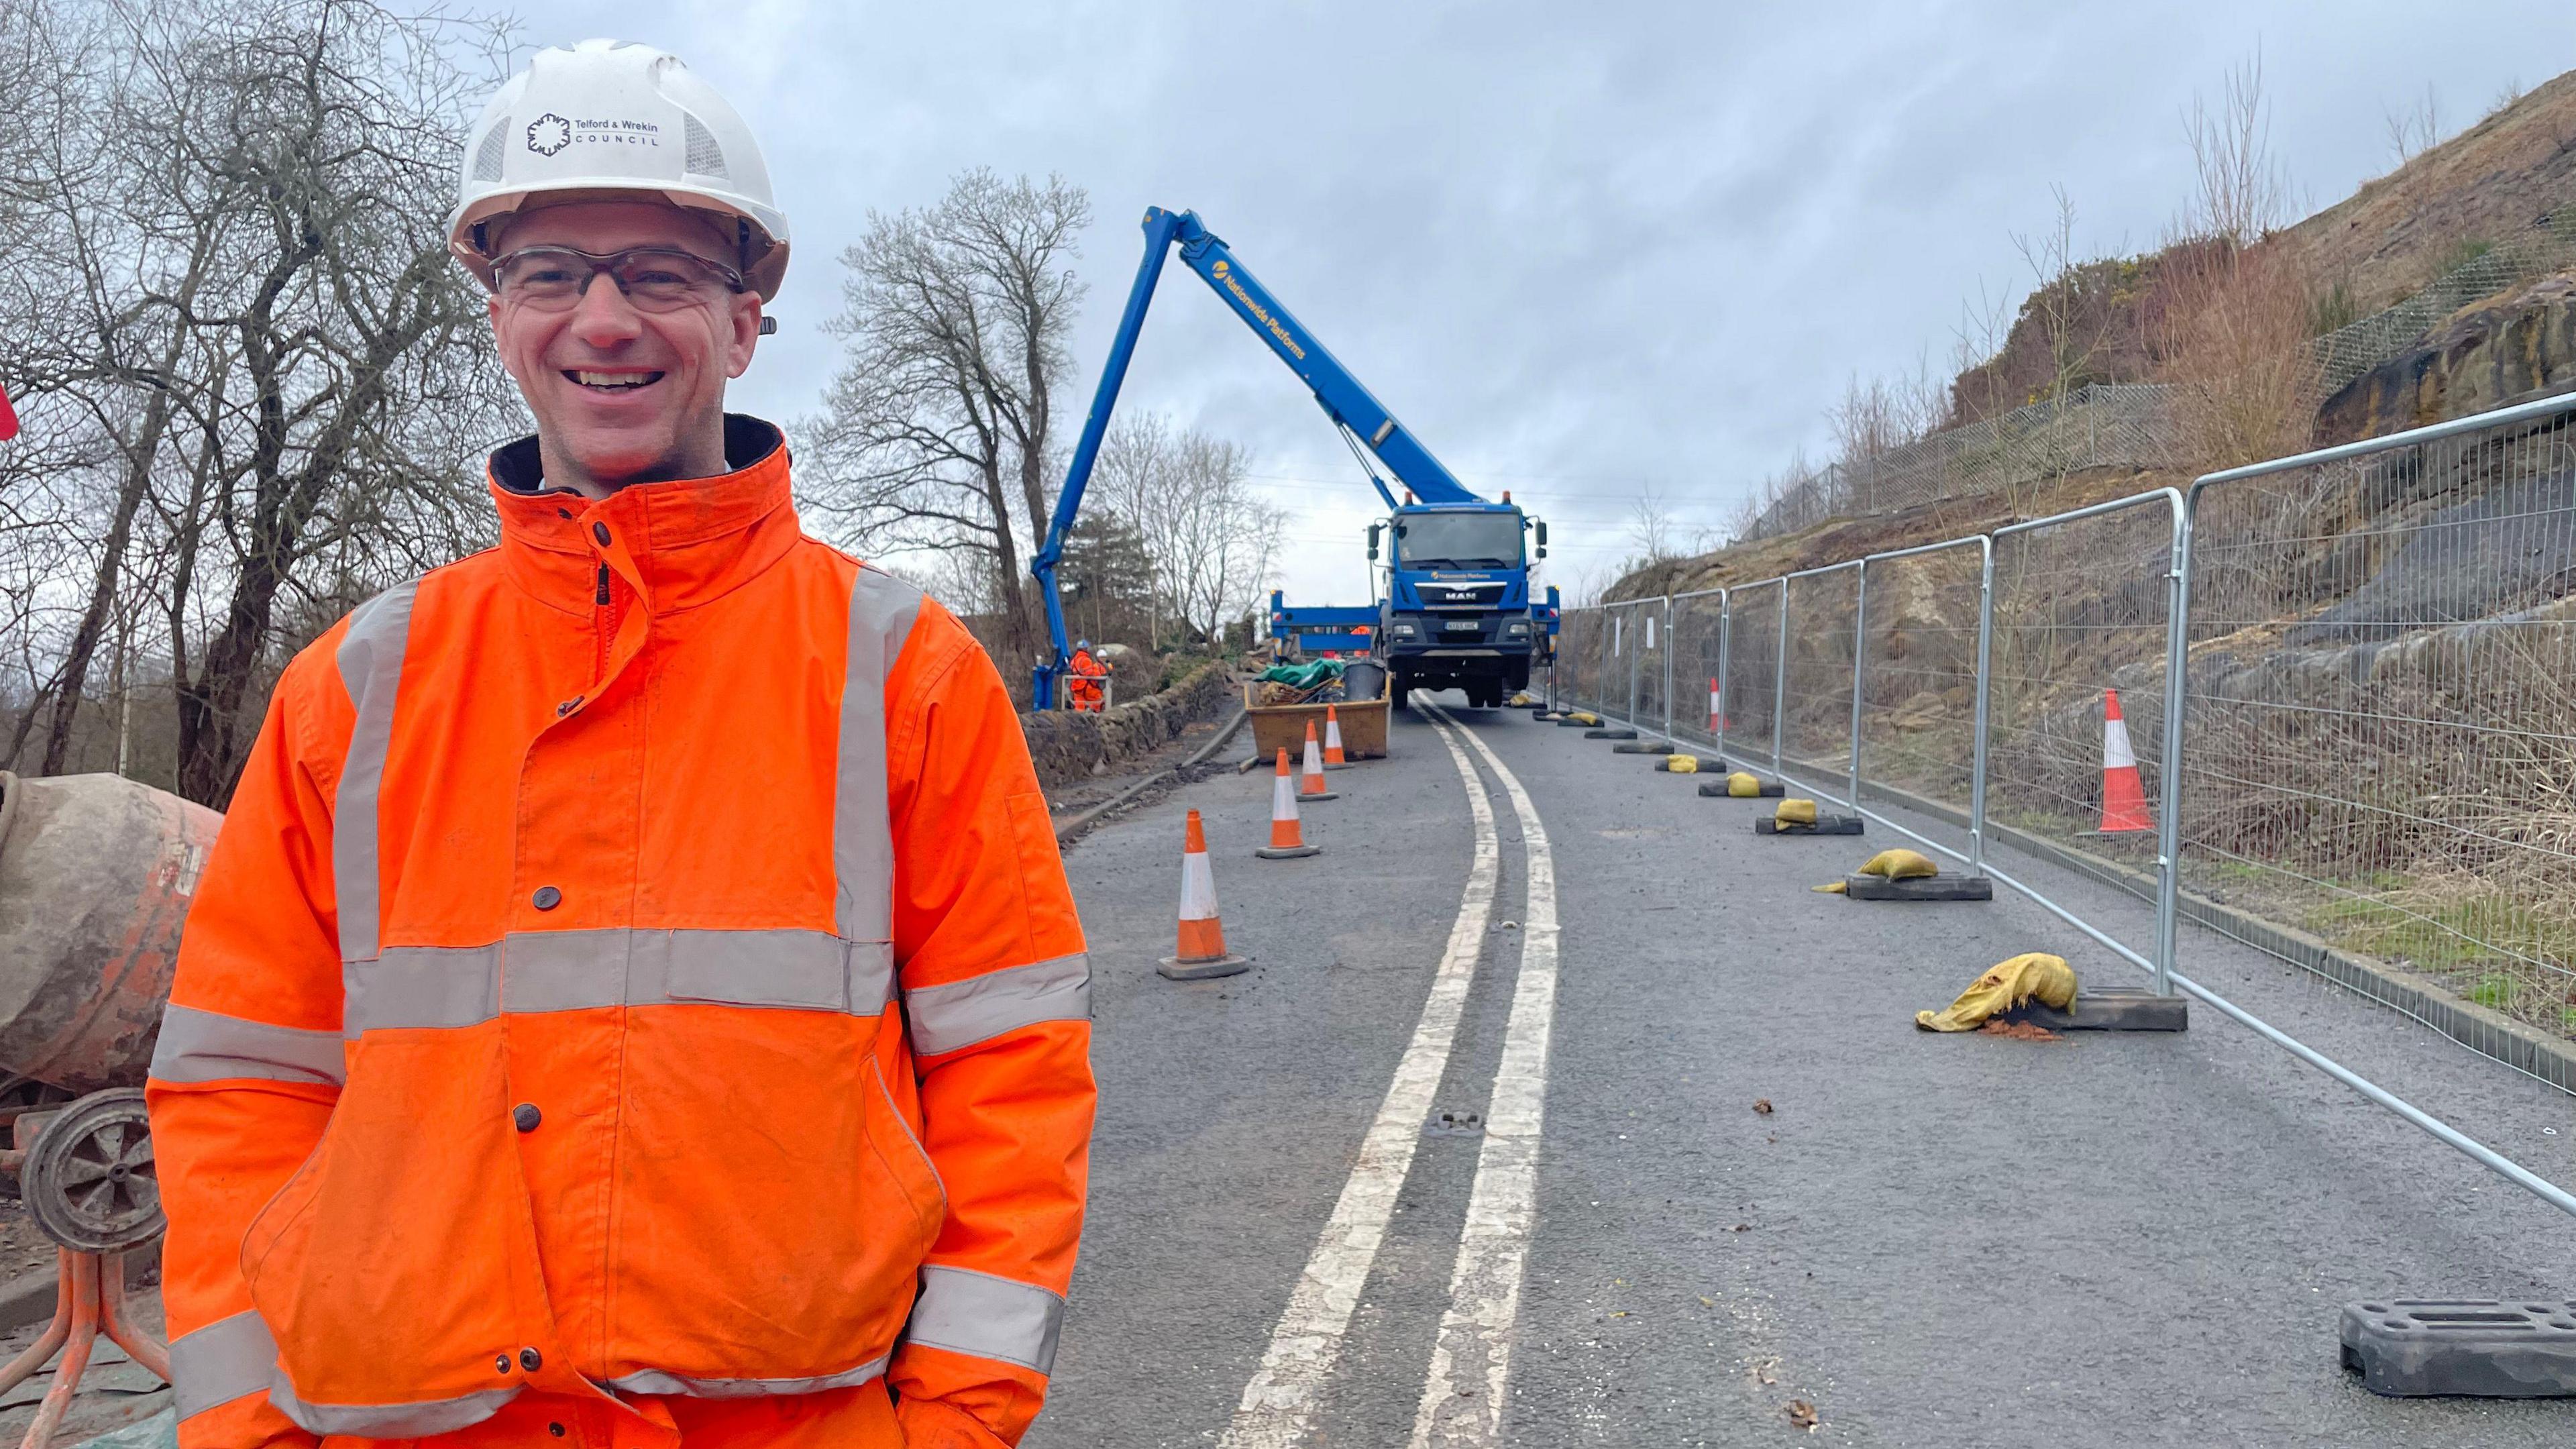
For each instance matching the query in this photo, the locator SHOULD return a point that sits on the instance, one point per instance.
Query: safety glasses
(654, 279)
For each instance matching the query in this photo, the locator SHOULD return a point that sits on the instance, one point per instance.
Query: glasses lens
(658, 280)
(541, 277)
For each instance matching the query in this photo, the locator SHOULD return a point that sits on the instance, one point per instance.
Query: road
(1978, 1241)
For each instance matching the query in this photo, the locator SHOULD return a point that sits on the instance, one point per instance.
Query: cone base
(1305, 798)
(1287, 852)
(1173, 968)
(1343, 765)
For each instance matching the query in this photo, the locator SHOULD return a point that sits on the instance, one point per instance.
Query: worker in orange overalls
(635, 1000)
(1083, 674)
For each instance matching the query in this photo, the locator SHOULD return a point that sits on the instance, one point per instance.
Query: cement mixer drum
(96, 873)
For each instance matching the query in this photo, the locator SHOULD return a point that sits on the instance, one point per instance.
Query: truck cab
(1456, 608)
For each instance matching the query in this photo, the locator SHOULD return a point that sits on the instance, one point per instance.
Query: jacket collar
(677, 544)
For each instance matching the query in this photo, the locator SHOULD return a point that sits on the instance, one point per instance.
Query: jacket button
(501, 1363)
(546, 898)
(555, 1429)
(525, 1117)
(529, 1359)
(600, 531)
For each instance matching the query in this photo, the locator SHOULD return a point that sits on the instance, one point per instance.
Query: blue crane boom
(1362, 419)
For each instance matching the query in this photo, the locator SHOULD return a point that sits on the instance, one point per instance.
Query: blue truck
(1457, 609)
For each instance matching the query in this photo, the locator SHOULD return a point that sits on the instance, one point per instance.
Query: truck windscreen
(1458, 540)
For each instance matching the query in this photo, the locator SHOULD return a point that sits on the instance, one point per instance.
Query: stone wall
(1069, 746)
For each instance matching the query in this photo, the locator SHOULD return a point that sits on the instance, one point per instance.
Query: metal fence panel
(1752, 688)
(1824, 611)
(1582, 643)
(1917, 734)
(2082, 619)
(2382, 706)
(1697, 652)
(1646, 627)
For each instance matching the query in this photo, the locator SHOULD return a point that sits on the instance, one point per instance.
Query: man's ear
(746, 320)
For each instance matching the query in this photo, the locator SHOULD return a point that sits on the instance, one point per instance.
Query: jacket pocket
(773, 1209)
(386, 1266)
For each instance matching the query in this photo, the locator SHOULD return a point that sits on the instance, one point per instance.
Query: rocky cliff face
(2511, 348)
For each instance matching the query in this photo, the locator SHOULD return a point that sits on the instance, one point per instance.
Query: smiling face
(625, 396)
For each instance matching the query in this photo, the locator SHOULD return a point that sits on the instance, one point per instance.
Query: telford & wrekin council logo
(548, 134)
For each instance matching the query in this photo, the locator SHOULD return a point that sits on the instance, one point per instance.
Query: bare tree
(2244, 189)
(1212, 541)
(2418, 128)
(2233, 315)
(236, 295)
(939, 431)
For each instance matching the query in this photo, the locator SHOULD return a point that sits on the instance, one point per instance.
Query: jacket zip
(604, 597)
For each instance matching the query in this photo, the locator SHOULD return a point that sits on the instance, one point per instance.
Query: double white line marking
(1462, 1399)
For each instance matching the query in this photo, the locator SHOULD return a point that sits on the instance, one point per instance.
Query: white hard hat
(611, 116)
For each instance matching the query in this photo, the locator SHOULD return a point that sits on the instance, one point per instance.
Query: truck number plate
(1460, 624)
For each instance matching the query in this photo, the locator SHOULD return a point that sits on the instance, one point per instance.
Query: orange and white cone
(1201, 953)
(1714, 713)
(1287, 841)
(2124, 795)
(1312, 786)
(1333, 757)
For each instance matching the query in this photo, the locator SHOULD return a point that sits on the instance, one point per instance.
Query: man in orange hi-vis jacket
(636, 999)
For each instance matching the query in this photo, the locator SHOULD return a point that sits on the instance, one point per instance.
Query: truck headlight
(1517, 627)
(1402, 630)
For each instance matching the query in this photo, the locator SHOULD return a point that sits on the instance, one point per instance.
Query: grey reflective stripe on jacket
(968, 1312)
(208, 1046)
(980, 1008)
(371, 661)
(654, 1381)
(216, 1364)
(883, 609)
(391, 1421)
(536, 971)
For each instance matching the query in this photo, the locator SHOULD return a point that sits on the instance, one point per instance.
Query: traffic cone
(2124, 795)
(1333, 758)
(1312, 788)
(1201, 953)
(1714, 714)
(1287, 842)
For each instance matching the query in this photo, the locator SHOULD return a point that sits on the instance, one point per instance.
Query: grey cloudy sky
(1583, 250)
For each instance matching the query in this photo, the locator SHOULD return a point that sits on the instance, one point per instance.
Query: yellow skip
(1742, 786)
(2007, 984)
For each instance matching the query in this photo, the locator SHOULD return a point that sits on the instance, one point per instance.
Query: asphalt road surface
(1979, 1241)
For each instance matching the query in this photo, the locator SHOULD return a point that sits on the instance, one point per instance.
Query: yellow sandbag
(2005, 985)
(1682, 764)
(1742, 786)
(1520, 701)
(1837, 888)
(1899, 864)
(1795, 812)
(1585, 716)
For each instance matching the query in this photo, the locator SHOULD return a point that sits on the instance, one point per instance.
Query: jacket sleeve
(996, 995)
(249, 1060)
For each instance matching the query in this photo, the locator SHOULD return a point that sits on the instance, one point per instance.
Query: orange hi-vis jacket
(635, 999)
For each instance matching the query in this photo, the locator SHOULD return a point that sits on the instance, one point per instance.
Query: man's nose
(604, 316)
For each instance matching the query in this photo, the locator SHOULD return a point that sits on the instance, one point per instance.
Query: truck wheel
(1396, 692)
